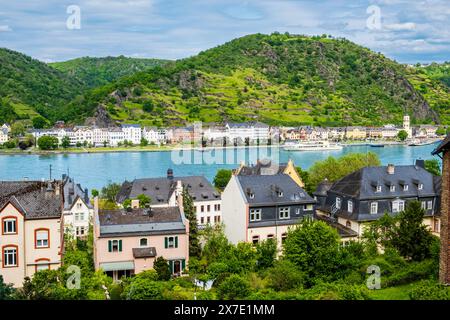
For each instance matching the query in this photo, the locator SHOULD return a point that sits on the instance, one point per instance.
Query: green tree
(148, 106)
(6, 290)
(222, 178)
(441, 131)
(284, 275)
(18, 129)
(313, 246)
(266, 252)
(304, 175)
(336, 168)
(189, 212)
(48, 143)
(433, 167)
(65, 142)
(162, 269)
(234, 287)
(144, 142)
(402, 135)
(95, 193)
(110, 191)
(144, 200)
(39, 122)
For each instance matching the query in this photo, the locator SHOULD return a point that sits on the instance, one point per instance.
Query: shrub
(234, 287)
(429, 290)
(412, 272)
(337, 291)
(285, 276)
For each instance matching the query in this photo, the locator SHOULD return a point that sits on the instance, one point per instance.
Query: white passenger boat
(311, 146)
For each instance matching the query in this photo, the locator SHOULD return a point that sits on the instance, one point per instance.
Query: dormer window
(280, 194)
(392, 188)
(338, 203)
(378, 188)
(251, 195)
(420, 186)
(405, 187)
(350, 206)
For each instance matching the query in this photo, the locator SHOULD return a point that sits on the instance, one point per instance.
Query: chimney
(420, 163)
(390, 169)
(169, 174)
(86, 195)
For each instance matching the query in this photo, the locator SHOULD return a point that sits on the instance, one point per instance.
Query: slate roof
(35, 199)
(362, 184)
(122, 222)
(263, 168)
(73, 191)
(443, 146)
(160, 189)
(343, 231)
(267, 188)
(322, 188)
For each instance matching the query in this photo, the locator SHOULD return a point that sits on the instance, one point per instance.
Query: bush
(48, 143)
(337, 291)
(234, 287)
(429, 290)
(141, 288)
(412, 272)
(285, 276)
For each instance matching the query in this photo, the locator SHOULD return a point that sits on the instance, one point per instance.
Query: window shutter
(171, 266)
(183, 264)
(120, 245)
(109, 245)
(176, 242)
(166, 242)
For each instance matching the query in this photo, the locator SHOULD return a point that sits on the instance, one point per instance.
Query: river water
(94, 170)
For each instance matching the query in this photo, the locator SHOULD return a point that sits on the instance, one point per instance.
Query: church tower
(407, 125)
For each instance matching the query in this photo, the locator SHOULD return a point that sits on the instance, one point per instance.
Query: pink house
(31, 229)
(127, 242)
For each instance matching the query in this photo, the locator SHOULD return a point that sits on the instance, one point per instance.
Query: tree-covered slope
(94, 72)
(278, 79)
(438, 71)
(28, 87)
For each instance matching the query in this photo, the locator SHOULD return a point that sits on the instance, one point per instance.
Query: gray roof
(72, 191)
(272, 189)
(443, 146)
(362, 184)
(322, 188)
(122, 222)
(160, 189)
(263, 167)
(35, 199)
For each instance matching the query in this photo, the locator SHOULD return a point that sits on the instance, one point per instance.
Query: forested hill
(94, 72)
(438, 71)
(29, 87)
(277, 79)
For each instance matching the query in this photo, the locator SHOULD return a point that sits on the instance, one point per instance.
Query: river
(94, 170)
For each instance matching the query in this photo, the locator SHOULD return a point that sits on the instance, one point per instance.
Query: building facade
(127, 242)
(261, 207)
(32, 236)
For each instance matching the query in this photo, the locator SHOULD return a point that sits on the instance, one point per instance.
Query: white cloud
(401, 26)
(5, 29)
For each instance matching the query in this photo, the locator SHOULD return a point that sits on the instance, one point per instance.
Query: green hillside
(278, 79)
(94, 72)
(438, 71)
(29, 87)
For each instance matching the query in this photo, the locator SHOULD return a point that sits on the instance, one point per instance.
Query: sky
(408, 31)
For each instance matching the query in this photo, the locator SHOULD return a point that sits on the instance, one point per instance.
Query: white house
(3, 135)
(133, 133)
(78, 211)
(252, 131)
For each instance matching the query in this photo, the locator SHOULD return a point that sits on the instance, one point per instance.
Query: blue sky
(409, 31)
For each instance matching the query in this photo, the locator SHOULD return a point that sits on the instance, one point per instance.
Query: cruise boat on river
(311, 146)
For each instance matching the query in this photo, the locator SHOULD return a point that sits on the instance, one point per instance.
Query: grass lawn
(392, 293)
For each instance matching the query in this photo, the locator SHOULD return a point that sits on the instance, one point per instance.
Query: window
(143, 242)
(10, 256)
(252, 195)
(398, 206)
(298, 211)
(255, 214)
(405, 187)
(171, 242)
(270, 236)
(378, 188)
(392, 188)
(79, 205)
(9, 225)
(41, 237)
(283, 237)
(208, 208)
(115, 245)
(202, 208)
(280, 194)
(308, 207)
(430, 205)
(350, 206)
(437, 225)
(218, 218)
(348, 224)
(374, 208)
(79, 216)
(284, 212)
(208, 220)
(42, 264)
(420, 186)
(255, 239)
(338, 203)
(423, 205)
(202, 220)
(80, 231)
